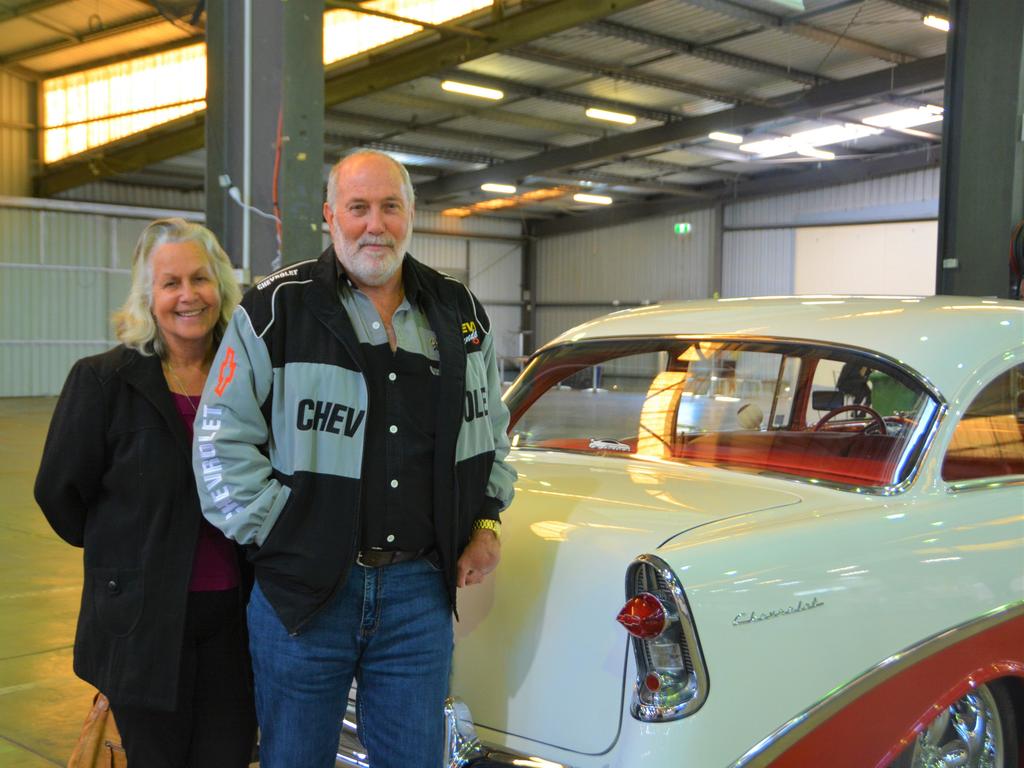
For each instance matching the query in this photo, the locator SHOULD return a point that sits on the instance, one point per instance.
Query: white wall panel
(640, 261)
(496, 270)
(496, 278)
(133, 194)
(61, 276)
(469, 225)
(448, 254)
(758, 263)
(65, 267)
(552, 321)
(891, 258)
(759, 249)
(901, 197)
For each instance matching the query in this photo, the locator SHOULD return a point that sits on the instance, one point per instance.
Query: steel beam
(793, 25)
(387, 129)
(829, 174)
(27, 9)
(129, 154)
(140, 22)
(630, 75)
(812, 101)
(708, 53)
(493, 114)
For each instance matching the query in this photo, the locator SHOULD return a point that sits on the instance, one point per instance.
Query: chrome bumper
(462, 748)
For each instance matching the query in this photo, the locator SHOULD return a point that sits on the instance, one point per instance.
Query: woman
(161, 627)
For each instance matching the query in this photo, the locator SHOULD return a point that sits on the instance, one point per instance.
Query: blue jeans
(391, 629)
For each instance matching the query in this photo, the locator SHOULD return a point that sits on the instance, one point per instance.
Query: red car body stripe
(873, 728)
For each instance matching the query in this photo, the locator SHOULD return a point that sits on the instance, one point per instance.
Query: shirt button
(392, 377)
(376, 325)
(391, 537)
(394, 483)
(393, 428)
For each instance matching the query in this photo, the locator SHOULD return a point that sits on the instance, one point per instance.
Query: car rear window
(835, 415)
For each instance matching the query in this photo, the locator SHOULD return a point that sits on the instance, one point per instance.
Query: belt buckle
(375, 558)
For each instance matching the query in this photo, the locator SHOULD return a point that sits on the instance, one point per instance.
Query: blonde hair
(134, 324)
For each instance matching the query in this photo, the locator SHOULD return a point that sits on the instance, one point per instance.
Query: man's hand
(479, 558)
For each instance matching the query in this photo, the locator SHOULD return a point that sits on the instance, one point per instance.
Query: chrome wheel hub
(967, 734)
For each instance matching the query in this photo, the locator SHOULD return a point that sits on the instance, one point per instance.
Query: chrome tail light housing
(672, 678)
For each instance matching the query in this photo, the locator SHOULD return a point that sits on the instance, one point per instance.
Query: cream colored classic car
(816, 506)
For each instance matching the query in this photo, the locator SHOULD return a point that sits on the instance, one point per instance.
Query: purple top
(215, 566)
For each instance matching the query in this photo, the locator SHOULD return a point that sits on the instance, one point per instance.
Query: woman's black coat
(116, 478)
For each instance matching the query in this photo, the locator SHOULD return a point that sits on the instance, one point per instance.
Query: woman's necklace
(184, 391)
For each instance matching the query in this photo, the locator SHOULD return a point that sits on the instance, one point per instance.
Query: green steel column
(280, 76)
(301, 183)
(982, 188)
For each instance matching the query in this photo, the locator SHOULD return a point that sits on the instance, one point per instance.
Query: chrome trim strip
(892, 489)
(776, 743)
(985, 483)
(923, 380)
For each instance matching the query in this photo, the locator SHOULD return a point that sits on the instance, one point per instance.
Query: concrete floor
(42, 703)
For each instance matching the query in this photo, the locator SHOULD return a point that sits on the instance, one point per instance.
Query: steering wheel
(876, 419)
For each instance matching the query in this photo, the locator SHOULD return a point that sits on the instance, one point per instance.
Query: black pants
(214, 725)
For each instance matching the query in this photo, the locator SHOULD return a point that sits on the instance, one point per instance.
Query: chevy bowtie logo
(226, 372)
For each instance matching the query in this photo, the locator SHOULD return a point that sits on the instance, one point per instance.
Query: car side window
(989, 440)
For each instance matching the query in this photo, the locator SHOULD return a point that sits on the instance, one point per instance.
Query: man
(352, 435)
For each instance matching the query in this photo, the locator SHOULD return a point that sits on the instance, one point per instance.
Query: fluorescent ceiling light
(729, 138)
(770, 147)
(817, 137)
(612, 117)
(936, 22)
(501, 189)
(581, 197)
(820, 154)
(472, 90)
(907, 118)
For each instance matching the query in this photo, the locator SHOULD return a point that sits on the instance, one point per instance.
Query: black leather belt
(378, 558)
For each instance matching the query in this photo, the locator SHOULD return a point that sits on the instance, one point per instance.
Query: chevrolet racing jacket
(288, 487)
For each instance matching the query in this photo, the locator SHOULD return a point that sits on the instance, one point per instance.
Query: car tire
(979, 729)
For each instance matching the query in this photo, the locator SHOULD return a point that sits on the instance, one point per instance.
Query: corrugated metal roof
(677, 19)
(514, 68)
(741, 62)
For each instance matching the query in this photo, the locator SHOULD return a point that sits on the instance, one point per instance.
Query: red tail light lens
(643, 616)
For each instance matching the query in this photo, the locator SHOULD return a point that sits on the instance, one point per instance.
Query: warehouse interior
(570, 157)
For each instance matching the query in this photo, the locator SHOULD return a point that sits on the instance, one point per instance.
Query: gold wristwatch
(486, 524)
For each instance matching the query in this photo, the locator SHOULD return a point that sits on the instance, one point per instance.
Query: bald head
(358, 157)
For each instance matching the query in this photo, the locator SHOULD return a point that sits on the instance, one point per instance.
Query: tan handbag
(99, 744)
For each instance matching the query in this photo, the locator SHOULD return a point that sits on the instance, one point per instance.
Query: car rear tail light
(643, 616)
(672, 680)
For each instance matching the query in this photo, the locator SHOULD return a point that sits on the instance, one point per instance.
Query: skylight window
(99, 105)
(347, 33)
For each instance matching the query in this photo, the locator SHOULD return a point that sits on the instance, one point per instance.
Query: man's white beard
(364, 268)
